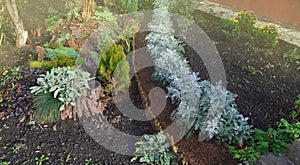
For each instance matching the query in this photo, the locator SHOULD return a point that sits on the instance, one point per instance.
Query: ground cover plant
(15, 97)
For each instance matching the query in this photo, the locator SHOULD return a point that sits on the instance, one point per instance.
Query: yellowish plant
(244, 21)
(269, 32)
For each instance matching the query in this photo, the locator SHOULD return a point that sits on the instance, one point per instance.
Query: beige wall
(282, 11)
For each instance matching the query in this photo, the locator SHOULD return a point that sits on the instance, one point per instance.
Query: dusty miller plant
(166, 52)
(64, 83)
(216, 109)
(205, 107)
(161, 76)
(232, 127)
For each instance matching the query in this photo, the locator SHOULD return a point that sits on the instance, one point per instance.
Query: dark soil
(68, 138)
(264, 97)
(194, 152)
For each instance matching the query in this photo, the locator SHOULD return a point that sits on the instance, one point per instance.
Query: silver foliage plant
(155, 149)
(209, 109)
(232, 127)
(166, 52)
(65, 83)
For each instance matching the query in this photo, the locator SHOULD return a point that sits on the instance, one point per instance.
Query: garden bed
(265, 82)
(265, 96)
(66, 142)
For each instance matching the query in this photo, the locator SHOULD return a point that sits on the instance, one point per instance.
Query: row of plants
(206, 110)
(201, 101)
(192, 97)
(246, 22)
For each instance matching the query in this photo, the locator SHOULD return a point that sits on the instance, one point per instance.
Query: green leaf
(61, 108)
(57, 92)
(133, 159)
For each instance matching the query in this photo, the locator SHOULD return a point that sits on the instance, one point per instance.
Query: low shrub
(248, 153)
(155, 149)
(64, 83)
(270, 141)
(53, 22)
(267, 35)
(244, 22)
(104, 15)
(114, 69)
(232, 127)
(128, 6)
(291, 131)
(263, 142)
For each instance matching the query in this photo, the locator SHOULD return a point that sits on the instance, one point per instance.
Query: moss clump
(61, 61)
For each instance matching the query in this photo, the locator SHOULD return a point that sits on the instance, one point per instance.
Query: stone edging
(286, 34)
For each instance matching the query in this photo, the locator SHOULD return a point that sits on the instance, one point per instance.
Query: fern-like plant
(104, 15)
